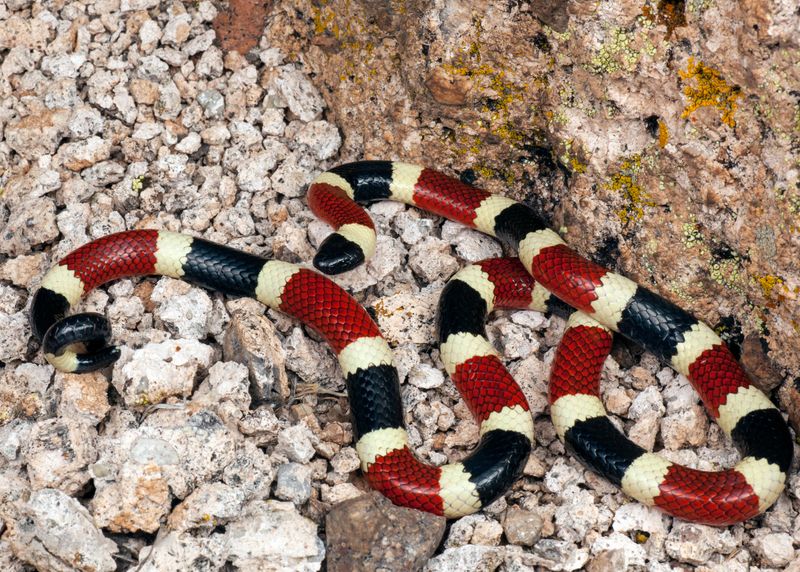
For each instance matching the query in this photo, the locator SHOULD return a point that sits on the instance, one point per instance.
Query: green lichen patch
(622, 50)
(625, 182)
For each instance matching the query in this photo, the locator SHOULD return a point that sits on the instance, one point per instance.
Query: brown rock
(136, 501)
(364, 534)
(554, 14)
(20, 270)
(240, 26)
(447, 88)
(251, 340)
(789, 395)
(757, 363)
(83, 395)
(143, 91)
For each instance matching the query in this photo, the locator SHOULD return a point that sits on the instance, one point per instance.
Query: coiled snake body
(548, 276)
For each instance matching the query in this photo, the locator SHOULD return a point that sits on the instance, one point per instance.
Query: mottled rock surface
(370, 533)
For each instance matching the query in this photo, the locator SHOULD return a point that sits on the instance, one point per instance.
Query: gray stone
(293, 483)
(57, 533)
(58, 454)
(300, 94)
(272, 535)
(296, 442)
(775, 549)
(522, 527)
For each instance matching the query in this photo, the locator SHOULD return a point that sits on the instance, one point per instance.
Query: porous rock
(362, 535)
(250, 339)
(59, 534)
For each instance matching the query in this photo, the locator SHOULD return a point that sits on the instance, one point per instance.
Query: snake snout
(80, 343)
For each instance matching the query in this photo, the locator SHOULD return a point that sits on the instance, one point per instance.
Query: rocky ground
(661, 138)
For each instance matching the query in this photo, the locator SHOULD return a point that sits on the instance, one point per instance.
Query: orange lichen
(709, 90)
(663, 134)
(670, 13)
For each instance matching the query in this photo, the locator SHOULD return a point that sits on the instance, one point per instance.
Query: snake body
(547, 276)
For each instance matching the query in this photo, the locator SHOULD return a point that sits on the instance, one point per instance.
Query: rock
(12, 435)
(340, 492)
(696, 543)
(24, 32)
(362, 534)
(84, 122)
(227, 381)
(177, 29)
(272, 535)
(321, 137)
(262, 425)
(448, 89)
(58, 454)
(296, 443)
(209, 506)
(37, 134)
(559, 555)
(425, 376)
(301, 96)
(189, 448)
(215, 135)
(431, 260)
(294, 174)
(30, 223)
(472, 557)
(253, 173)
(185, 309)
(137, 500)
(616, 552)
(346, 461)
(83, 395)
(175, 550)
(294, 483)
(487, 533)
(22, 269)
(522, 527)
(775, 549)
(57, 533)
(684, 427)
(407, 318)
(250, 339)
(577, 514)
(199, 43)
(160, 370)
(14, 334)
(81, 154)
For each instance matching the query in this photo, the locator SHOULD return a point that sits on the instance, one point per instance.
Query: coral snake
(548, 276)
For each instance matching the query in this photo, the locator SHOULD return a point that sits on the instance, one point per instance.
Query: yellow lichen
(625, 183)
(503, 93)
(137, 184)
(663, 134)
(709, 89)
(768, 283)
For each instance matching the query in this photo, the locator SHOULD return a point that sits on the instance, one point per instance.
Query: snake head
(80, 343)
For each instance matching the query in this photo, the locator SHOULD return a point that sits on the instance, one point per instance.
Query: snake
(547, 276)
